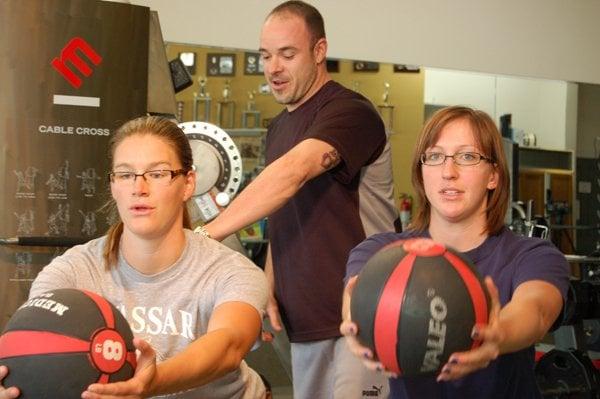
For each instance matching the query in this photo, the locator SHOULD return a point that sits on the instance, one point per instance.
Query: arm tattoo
(330, 159)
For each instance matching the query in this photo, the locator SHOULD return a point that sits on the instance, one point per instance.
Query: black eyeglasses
(161, 177)
(460, 158)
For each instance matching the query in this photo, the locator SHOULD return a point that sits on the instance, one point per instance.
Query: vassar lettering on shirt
(156, 320)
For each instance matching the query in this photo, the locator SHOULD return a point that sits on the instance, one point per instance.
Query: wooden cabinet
(531, 187)
(546, 177)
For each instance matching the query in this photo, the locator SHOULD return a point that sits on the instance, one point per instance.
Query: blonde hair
(152, 126)
(488, 140)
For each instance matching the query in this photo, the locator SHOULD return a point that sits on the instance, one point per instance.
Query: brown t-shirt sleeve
(354, 129)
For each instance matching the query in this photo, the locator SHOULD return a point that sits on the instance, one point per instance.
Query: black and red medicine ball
(415, 303)
(58, 343)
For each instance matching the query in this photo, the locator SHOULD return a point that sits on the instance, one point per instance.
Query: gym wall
(405, 93)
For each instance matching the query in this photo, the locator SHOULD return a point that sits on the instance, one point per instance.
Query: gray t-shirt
(172, 308)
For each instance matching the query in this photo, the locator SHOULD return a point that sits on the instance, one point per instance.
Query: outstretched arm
(232, 330)
(275, 185)
(523, 321)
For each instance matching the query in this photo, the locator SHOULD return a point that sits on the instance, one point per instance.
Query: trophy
(202, 82)
(202, 97)
(386, 93)
(180, 107)
(386, 110)
(226, 91)
(226, 104)
(251, 111)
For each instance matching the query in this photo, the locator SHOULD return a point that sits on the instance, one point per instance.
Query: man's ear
(320, 50)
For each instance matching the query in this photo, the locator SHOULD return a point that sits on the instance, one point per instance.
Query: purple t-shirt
(509, 260)
(312, 234)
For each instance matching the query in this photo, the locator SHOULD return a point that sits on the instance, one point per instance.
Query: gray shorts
(328, 370)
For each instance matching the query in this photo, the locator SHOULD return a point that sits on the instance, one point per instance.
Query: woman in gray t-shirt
(195, 306)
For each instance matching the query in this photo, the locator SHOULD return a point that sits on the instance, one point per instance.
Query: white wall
(553, 39)
(537, 106)
(444, 87)
(546, 108)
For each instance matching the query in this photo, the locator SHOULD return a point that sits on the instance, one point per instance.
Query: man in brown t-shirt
(326, 187)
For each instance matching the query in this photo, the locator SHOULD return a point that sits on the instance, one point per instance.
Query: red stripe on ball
(480, 303)
(387, 317)
(26, 343)
(104, 307)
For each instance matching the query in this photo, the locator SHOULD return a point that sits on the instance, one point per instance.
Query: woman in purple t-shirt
(461, 179)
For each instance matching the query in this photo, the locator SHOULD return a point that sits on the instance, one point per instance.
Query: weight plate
(216, 157)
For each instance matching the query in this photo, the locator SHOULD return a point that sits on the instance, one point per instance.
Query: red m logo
(69, 54)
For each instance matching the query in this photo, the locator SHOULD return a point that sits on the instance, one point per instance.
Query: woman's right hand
(10, 392)
(136, 387)
(349, 330)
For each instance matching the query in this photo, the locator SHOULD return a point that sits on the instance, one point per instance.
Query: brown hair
(311, 16)
(488, 140)
(153, 126)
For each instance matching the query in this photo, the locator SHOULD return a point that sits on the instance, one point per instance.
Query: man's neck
(320, 81)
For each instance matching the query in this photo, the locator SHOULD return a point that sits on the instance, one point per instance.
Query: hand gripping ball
(58, 343)
(415, 303)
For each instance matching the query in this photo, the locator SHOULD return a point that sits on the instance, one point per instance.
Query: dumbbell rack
(568, 370)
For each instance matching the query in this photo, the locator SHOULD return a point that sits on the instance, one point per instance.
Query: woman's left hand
(135, 388)
(462, 363)
(349, 330)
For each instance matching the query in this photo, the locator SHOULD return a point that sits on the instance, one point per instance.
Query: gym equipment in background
(568, 369)
(218, 168)
(70, 91)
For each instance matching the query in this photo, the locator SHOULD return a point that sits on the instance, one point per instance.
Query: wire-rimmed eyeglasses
(466, 158)
(160, 177)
